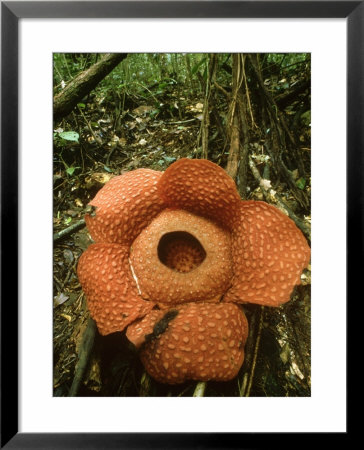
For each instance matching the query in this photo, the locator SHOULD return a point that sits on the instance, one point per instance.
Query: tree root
(84, 353)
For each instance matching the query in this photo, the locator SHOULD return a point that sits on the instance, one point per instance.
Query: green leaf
(306, 117)
(169, 159)
(154, 112)
(196, 66)
(69, 136)
(81, 105)
(204, 75)
(70, 170)
(301, 183)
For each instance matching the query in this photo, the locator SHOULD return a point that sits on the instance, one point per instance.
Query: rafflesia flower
(175, 255)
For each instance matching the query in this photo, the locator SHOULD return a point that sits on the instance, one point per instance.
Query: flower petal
(269, 254)
(112, 296)
(158, 279)
(138, 330)
(202, 187)
(202, 342)
(124, 206)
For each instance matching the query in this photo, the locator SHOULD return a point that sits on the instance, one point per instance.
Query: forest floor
(110, 144)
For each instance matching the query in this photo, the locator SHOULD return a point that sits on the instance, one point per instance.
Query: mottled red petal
(203, 342)
(202, 187)
(161, 283)
(112, 296)
(137, 331)
(124, 206)
(269, 254)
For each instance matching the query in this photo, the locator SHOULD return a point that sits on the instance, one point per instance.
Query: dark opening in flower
(157, 278)
(180, 251)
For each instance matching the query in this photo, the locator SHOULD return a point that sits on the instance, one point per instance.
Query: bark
(206, 107)
(73, 93)
(239, 139)
(234, 151)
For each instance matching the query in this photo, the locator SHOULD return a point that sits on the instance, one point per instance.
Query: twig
(67, 277)
(69, 230)
(181, 121)
(256, 349)
(96, 138)
(150, 92)
(247, 95)
(58, 283)
(87, 344)
(107, 162)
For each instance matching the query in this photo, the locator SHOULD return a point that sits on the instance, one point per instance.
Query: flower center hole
(180, 251)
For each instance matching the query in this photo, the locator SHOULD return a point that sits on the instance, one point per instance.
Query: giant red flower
(175, 254)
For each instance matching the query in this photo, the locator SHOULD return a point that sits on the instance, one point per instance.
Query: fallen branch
(67, 99)
(69, 230)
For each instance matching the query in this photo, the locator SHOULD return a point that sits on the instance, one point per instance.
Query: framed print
(157, 178)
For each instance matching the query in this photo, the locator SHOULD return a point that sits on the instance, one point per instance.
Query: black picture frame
(11, 12)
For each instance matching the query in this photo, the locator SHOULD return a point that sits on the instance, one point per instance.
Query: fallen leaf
(60, 298)
(296, 371)
(266, 184)
(68, 256)
(301, 183)
(284, 355)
